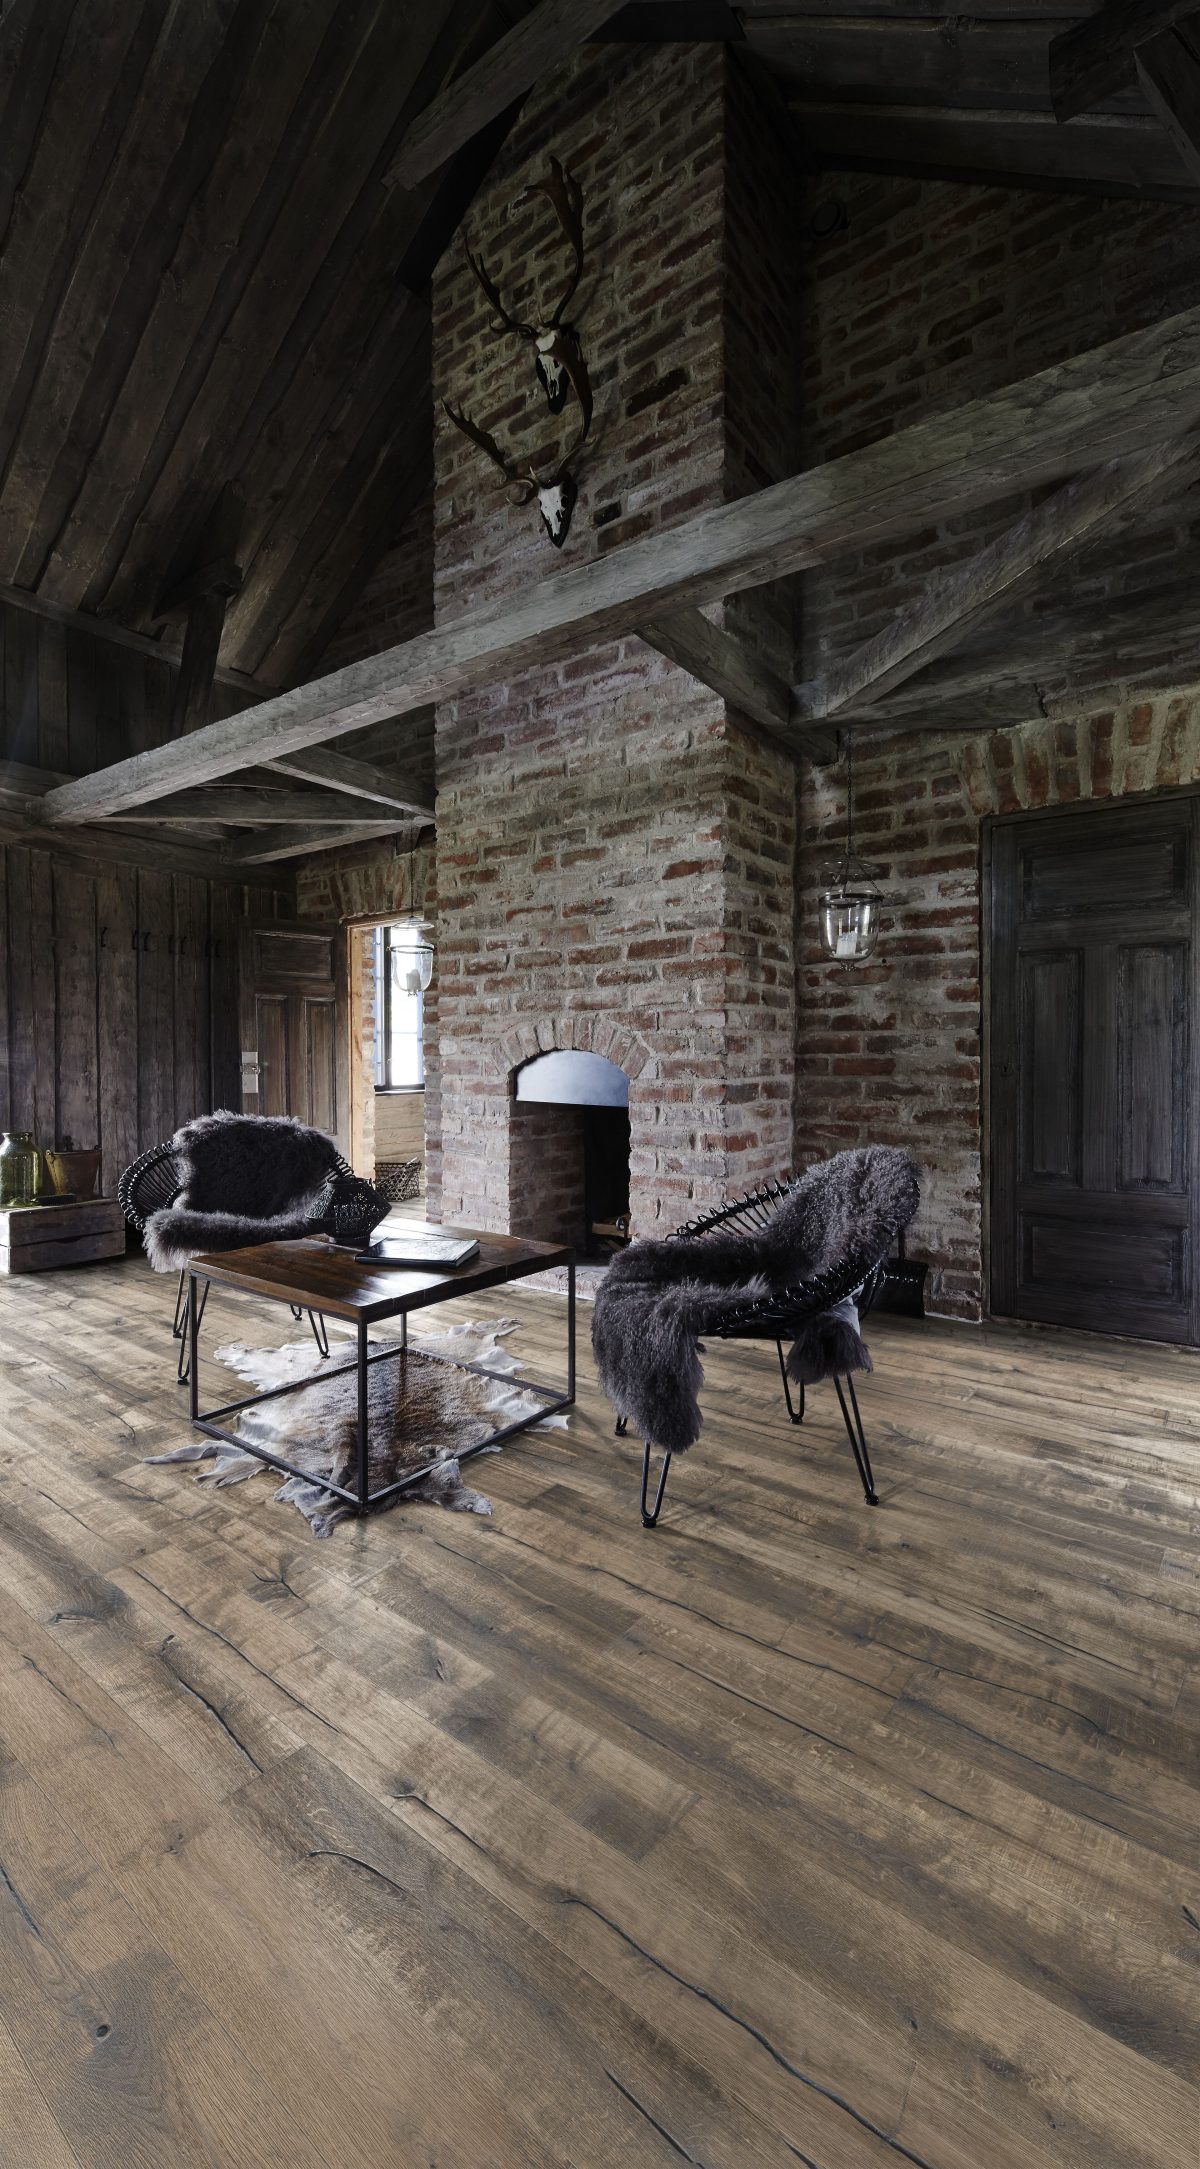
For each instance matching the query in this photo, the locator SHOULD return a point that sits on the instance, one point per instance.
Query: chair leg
(857, 1438)
(179, 1327)
(795, 1415)
(650, 1514)
(320, 1331)
(182, 1368)
(620, 1427)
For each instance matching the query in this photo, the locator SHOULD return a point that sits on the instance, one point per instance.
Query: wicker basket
(399, 1180)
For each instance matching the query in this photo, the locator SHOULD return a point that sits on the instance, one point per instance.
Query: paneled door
(293, 1022)
(1095, 968)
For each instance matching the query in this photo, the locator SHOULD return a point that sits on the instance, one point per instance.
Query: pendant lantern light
(850, 902)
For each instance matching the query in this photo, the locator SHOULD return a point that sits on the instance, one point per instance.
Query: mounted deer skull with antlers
(558, 359)
(555, 342)
(555, 491)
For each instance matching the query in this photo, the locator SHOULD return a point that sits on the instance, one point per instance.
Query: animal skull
(555, 503)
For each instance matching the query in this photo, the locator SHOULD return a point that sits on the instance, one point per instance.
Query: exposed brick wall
(546, 1173)
(891, 1051)
(934, 293)
(614, 857)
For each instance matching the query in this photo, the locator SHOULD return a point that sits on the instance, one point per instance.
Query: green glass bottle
(20, 1169)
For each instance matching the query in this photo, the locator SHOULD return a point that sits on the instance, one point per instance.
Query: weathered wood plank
(1168, 69)
(952, 607)
(293, 843)
(116, 905)
(320, 764)
(200, 808)
(1095, 58)
(548, 33)
(1108, 154)
(75, 1020)
(1117, 399)
(156, 1009)
(54, 744)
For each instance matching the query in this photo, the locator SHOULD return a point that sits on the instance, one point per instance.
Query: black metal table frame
(361, 1498)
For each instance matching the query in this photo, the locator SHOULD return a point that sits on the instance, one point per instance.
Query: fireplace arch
(569, 1150)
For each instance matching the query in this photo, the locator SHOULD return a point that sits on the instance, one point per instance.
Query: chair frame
(779, 1318)
(153, 1182)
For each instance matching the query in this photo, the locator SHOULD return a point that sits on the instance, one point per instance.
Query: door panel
(292, 1012)
(1093, 1089)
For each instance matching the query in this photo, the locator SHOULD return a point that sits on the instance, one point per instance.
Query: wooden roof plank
(535, 45)
(1113, 401)
(337, 771)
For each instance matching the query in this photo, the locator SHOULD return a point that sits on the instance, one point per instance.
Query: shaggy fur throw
(657, 1298)
(246, 1179)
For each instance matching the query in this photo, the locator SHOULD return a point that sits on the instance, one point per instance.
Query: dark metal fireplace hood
(571, 1078)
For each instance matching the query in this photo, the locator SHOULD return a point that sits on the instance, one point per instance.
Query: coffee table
(316, 1275)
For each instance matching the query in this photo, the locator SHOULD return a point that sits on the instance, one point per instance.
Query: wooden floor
(790, 1833)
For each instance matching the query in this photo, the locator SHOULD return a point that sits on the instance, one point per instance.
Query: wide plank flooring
(792, 1832)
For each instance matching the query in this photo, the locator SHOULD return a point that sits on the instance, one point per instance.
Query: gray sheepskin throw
(246, 1179)
(657, 1298)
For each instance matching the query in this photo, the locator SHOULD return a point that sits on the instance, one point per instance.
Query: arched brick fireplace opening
(569, 1150)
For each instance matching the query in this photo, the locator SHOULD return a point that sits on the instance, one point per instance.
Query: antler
(504, 322)
(522, 481)
(566, 194)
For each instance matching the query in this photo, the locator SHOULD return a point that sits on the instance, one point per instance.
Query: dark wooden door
(293, 1011)
(1094, 1069)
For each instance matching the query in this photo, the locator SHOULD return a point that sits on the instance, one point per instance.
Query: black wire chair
(780, 1317)
(155, 1181)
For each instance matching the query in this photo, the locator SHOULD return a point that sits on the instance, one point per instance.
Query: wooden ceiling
(211, 280)
(204, 281)
(905, 85)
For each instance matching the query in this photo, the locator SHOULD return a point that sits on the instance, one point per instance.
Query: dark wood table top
(317, 1274)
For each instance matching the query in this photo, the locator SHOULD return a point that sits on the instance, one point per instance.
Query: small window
(399, 1009)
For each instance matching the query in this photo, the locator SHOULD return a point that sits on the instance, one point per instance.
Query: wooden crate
(36, 1238)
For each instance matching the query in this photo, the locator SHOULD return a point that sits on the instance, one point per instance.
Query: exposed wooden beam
(951, 608)
(1115, 400)
(723, 662)
(1168, 69)
(119, 636)
(294, 843)
(1095, 58)
(544, 37)
(282, 808)
(1109, 154)
(320, 765)
(204, 588)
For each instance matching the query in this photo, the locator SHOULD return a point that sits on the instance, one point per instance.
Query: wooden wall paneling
(22, 1052)
(21, 689)
(82, 734)
(116, 1020)
(224, 1050)
(155, 1006)
(41, 973)
(190, 997)
(76, 1058)
(54, 740)
(5, 996)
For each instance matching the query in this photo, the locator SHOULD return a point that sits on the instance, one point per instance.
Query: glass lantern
(412, 958)
(850, 907)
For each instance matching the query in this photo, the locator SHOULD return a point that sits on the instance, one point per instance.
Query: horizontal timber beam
(190, 808)
(1113, 401)
(511, 67)
(1095, 58)
(318, 764)
(294, 843)
(952, 607)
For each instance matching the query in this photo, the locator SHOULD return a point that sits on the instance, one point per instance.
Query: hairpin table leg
(650, 1514)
